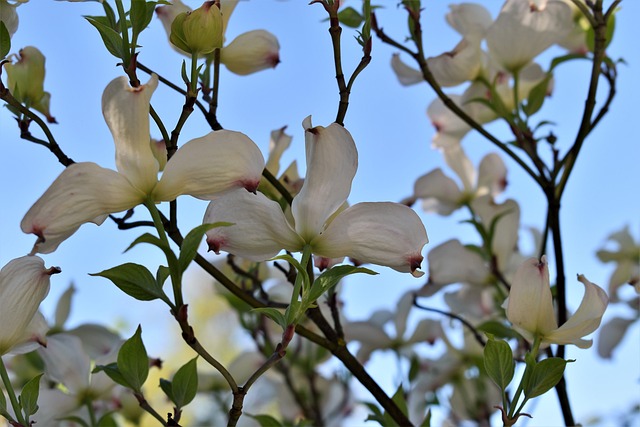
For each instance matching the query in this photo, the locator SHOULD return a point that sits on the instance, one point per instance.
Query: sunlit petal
(438, 192)
(259, 231)
(585, 320)
(126, 111)
(84, 192)
(332, 161)
(207, 166)
(406, 75)
(380, 233)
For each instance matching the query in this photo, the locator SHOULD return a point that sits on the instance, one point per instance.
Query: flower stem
(17, 408)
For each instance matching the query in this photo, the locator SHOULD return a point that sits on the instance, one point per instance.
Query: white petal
(406, 75)
(66, 362)
(471, 20)
(366, 332)
(521, 31)
(449, 127)
(427, 330)
(205, 167)
(278, 143)
(451, 262)
(24, 283)
(259, 231)
(9, 16)
(530, 306)
(34, 336)
(251, 52)
(402, 309)
(505, 237)
(611, 334)
(438, 192)
(457, 66)
(457, 160)
(83, 192)
(492, 175)
(332, 161)
(585, 320)
(381, 233)
(126, 111)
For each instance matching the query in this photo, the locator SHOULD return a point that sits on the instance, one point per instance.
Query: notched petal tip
(415, 262)
(215, 244)
(53, 270)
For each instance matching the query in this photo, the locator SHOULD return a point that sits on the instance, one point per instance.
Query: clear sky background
(393, 134)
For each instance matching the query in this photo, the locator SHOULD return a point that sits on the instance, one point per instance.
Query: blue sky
(389, 125)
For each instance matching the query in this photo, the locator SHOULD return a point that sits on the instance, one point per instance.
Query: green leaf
(138, 17)
(427, 420)
(497, 329)
(107, 420)
(266, 420)
(350, 17)
(544, 376)
(167, 387)
(499, 363)
(185, 383)
(591, 35)
(155, 241)
(111, 39)
(3, 404)
(564, 58)
(29, 396)
(112, 372)
(190, 244)
(162, 274)
(134, 280)
(536, 96)
(273, 314)
(5, 40)
(133, 362)
(332, 276)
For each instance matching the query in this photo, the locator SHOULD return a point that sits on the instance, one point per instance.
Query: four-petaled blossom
(530, 307)
(381, 233)
(85, 192)
(627, 259)
(24, 283)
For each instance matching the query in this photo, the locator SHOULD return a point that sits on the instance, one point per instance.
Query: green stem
(125, 34)
(174, 268)
(17, 408)
(193, 85)
(92, 414)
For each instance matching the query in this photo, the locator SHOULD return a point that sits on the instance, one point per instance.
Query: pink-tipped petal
(84, 192)
(585, 320)
(259, 231)
(126, 111)
(332, 161)
(208, 166)
(382, 233)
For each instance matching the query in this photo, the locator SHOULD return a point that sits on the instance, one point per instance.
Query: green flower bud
(25, 79)
(198, 32)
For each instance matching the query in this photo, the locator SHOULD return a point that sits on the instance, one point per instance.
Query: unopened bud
(198, 32)
(251, 52)
(25, 79)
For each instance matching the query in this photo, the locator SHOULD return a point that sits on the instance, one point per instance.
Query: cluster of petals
(85, 192)
(441, 194)
(24, 283)
(530, 307)
(248, 53)
(627, 259)
(382, 233)
(372, 334)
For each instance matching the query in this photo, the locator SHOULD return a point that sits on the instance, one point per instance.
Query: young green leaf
(112, 372)
(134, 280)
(133, 362)
(111, 39)
(499, 363)
(29, 396)
(5, 40)
(185, 383)
(190, 244)
(107, 420)
(350, 17)
(266, 420)
(544, 376)
(332, 276)
(273, 314)
(167, 387)
(536, 96)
